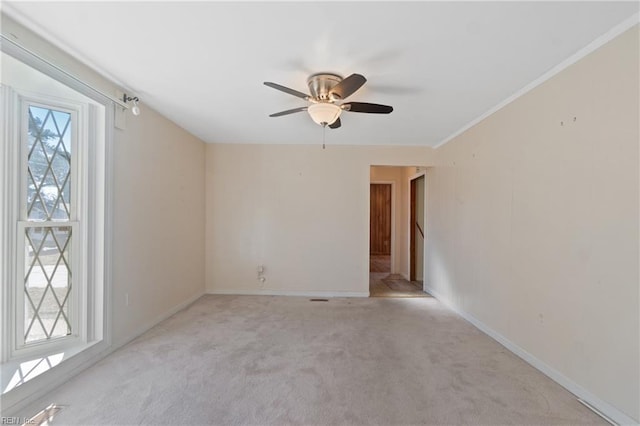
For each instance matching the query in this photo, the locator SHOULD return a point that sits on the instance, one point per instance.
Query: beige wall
(533, 223)
(158, 205)
(301, 211)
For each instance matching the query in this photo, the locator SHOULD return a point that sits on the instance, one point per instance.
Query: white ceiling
(440, 64)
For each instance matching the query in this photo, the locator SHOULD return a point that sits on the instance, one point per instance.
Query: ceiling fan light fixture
(327, 93)
(324, 113)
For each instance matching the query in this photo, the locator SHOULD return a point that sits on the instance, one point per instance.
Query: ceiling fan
(328, 91)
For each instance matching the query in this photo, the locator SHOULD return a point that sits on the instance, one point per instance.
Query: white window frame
(94, 333)
(81, 137)
(16, 164)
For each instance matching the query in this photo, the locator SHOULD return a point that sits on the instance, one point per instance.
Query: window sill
(19, 371)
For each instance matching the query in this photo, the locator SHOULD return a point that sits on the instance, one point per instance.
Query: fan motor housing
(320, 85)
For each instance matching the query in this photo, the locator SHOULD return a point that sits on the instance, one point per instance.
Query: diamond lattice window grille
(49, 165)
(47, 283)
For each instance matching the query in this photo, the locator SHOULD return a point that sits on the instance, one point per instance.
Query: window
(53, 258)
(48, 226)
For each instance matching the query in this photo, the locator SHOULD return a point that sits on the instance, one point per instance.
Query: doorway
(416, 233)
(390, 230)
(380, 228)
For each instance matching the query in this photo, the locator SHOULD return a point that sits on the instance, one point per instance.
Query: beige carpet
(259, 360)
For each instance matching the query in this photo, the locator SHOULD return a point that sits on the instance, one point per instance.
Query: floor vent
(318, 300)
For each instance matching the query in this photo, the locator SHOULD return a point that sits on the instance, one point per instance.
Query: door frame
(393, 220)
(411, 219)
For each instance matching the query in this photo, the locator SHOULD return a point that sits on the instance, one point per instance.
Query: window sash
(76, 125)
(76, 308)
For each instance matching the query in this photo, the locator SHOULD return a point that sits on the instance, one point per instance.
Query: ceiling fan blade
(348, 86)
(335, 124)
(368, 108)
(289, 111)
(287, 90)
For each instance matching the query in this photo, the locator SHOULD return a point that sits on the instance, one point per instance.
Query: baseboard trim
(581, 393)
(328, 294)
(157, 320)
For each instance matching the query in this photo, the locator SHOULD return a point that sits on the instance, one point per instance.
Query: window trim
(8, 218)
(81, 138)
(99, 331)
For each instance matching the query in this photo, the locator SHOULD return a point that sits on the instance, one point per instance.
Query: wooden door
(412, 232)
(416, 229)
(380, 219)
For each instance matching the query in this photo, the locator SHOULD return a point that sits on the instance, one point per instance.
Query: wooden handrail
(420, 229)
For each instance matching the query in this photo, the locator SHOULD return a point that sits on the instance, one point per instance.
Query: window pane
(49, 160)
(47, 283)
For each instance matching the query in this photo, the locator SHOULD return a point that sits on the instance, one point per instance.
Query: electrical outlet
(126, 299)
(261, 277)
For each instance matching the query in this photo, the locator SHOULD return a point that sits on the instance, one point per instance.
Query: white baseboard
(150, 324)
(326, 294)
(607, 409)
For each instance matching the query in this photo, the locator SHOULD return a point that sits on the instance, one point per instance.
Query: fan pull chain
(324, 132)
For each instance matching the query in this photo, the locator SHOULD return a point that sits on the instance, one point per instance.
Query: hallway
(382, 283)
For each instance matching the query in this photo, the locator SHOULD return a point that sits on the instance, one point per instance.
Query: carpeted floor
(260, 360)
